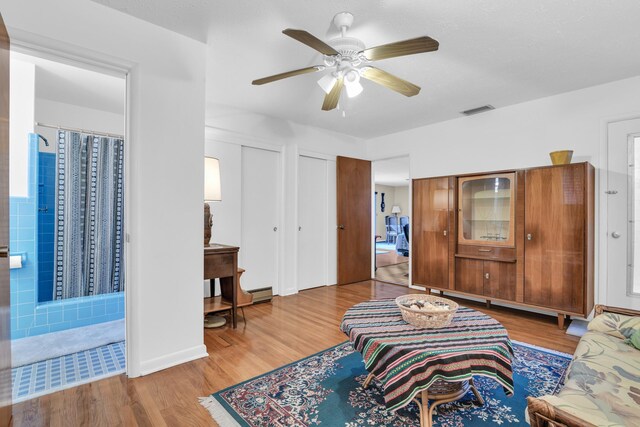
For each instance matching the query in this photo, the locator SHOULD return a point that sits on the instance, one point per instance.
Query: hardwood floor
(390, 258)
(284, 331)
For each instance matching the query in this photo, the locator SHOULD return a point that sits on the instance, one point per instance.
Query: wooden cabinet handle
(485, 250)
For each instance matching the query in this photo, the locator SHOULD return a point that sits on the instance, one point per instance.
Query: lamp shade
(212, 190)
(395, 209)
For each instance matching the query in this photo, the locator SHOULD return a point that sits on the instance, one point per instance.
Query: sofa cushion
(603, 382)
(617, 325)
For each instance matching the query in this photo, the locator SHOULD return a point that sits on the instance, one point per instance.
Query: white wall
(389, 200)
(74, 116)
(401, 198)
(21, 111)
(165, 167)
(229, 128)
(519, 136)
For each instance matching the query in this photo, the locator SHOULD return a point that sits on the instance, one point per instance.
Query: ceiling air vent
(478, 110)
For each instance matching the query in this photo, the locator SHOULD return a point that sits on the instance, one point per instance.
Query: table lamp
(212, 193)
(395, 210)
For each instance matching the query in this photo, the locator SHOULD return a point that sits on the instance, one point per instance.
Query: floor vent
(478, 110)
(261, 295)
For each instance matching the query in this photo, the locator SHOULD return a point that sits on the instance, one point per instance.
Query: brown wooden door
(500, 280)
(470, 276)
(430, 232)
(555, 237)
(354, 220)
(5, 323)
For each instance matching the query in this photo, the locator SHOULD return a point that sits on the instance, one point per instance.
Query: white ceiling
(497, 52)
(76, 86)
(392, 172)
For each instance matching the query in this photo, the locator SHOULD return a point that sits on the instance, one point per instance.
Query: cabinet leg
(488, 302)
(561, 319)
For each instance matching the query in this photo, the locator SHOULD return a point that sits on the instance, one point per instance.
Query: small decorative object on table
(562, 157)
(426, 311)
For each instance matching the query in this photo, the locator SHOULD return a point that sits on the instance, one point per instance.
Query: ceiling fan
(348, 60)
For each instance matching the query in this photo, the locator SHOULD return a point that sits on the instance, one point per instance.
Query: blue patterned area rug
(326, 390)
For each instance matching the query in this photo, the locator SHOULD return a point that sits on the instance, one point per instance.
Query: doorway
(67, 221)
(392, 220)
(623, 214)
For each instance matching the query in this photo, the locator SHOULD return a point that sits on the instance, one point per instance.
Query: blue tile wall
(46, 223)
(29, 316)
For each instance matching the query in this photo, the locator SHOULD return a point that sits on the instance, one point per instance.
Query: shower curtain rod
(87, 131)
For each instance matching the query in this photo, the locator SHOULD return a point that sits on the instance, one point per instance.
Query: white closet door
(312, 222)
(261, 173)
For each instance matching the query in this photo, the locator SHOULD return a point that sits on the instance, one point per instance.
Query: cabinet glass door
(486, 206)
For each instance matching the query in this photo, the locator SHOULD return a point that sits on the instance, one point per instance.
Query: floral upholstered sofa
(602, 385)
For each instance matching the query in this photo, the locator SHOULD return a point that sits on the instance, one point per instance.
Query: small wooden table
(435, 364)
(221, 262)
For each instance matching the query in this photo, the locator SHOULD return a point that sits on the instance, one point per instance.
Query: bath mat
(34, 349)
(326, 390)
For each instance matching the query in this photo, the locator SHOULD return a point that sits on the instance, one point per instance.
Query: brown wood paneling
(430, 232)
(5, 331)
(487, 252)
(500, 280)
(453, 230)
(470, 276)
(555, 205)
(589, 240)
(354, 219)
(519, 230)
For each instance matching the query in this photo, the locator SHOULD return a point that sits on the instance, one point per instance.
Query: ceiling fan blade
(332, 98)
(407, 47)
(311, 41)
(390, 81)
(288, 74)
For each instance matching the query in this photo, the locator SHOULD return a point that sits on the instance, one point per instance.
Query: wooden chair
(226, 290)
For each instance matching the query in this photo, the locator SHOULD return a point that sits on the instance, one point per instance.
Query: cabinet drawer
(218, 265)
(487, 252)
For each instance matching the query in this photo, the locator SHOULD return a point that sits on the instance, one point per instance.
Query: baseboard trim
(173, 359)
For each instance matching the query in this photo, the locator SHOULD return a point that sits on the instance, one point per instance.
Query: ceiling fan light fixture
(352, 83)
(327, 82)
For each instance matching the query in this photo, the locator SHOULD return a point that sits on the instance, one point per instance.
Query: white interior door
(312, 222)
(261, 172)
(622, 197)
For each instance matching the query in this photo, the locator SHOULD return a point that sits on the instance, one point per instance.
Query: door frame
(64, 53)
(601, 233)
(373, 217)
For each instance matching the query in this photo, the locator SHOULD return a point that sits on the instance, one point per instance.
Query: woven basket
(424, 317)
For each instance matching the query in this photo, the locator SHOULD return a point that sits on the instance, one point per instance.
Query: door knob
(341, 227)
(486, 276)
(529, 236)
(615, 235)
(299, 228)
(275, 228)
(444, 232)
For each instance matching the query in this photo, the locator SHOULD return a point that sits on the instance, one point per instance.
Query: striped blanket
(407, 360)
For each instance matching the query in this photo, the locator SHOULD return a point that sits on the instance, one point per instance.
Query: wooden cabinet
(540, 251)
(430, 232)
(558, 232)
(493, 279)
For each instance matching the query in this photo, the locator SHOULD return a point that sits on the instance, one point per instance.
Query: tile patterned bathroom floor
(48, 376)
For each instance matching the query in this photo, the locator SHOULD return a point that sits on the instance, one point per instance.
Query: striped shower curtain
(89, 215)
